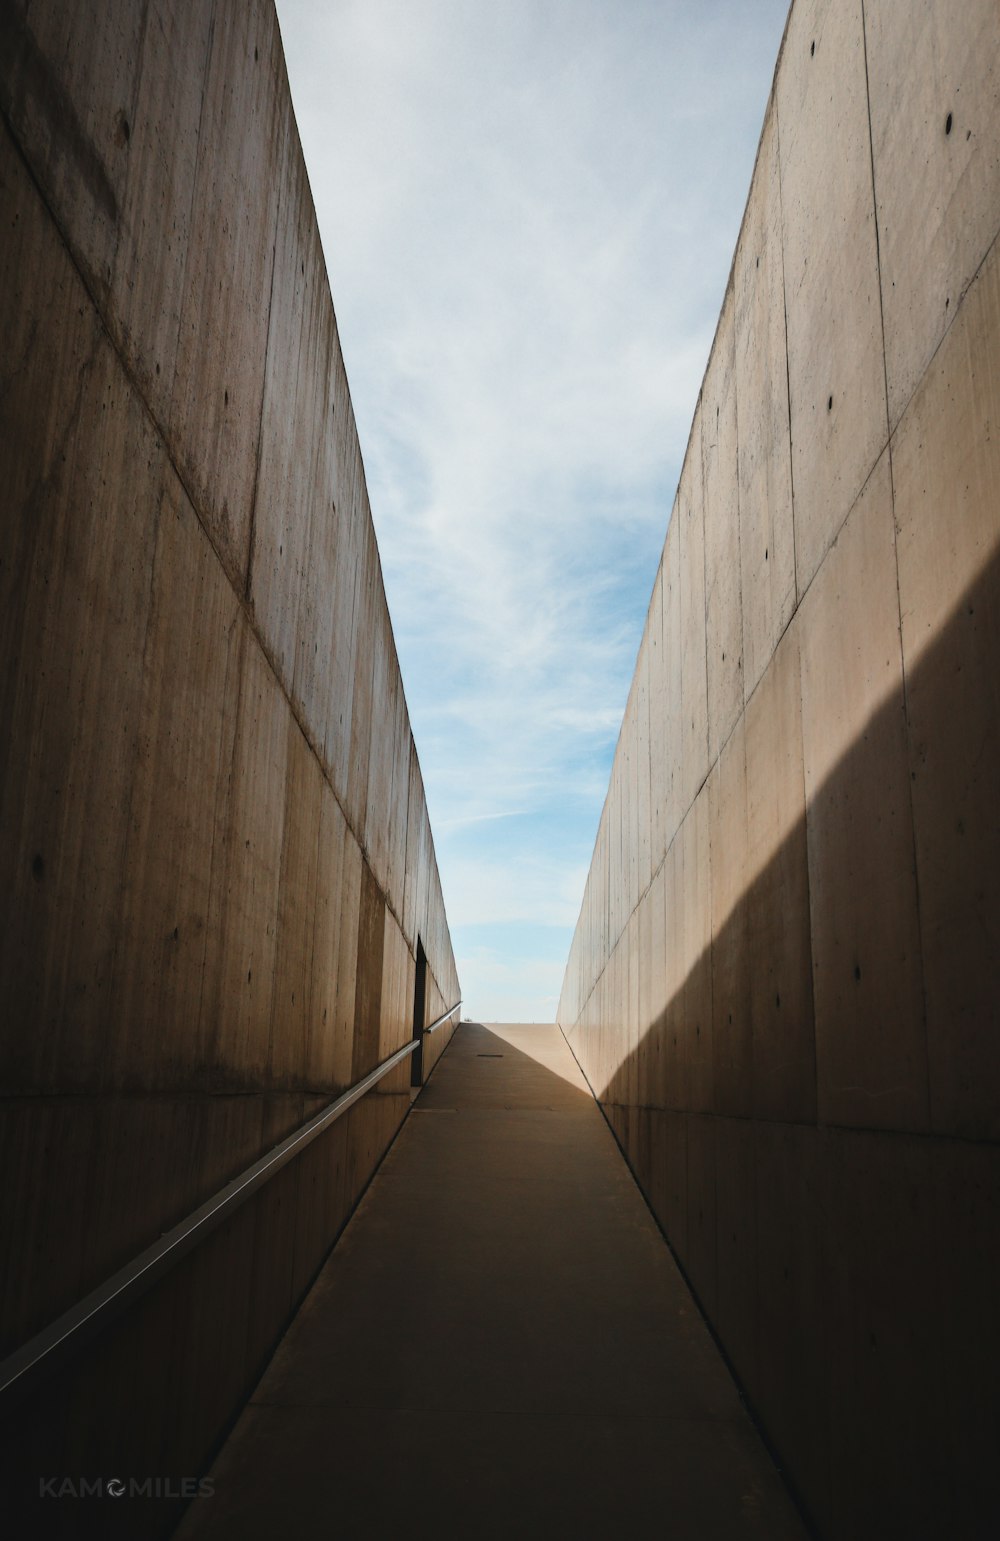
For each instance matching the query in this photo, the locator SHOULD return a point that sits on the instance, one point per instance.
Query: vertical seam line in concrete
(895, 562)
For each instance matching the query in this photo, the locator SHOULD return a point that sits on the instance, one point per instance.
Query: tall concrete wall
(785, 981)
(215, 856)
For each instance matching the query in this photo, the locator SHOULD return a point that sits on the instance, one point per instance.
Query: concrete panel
(629, 854)
(934, 87)
(392, 1029)
(884, 1362)
(672, 1058)
(618, 847)
(384, 692)
(93, 1182)
(871, 1052)
(732, 1039)
(364, 1143)
(723, 599)
(736, 1244)
(616, 891)
(69, 84)
(644, 924)
(212, 1320)
(273, 1265)
(243, 907)
(608, 1032)
(689, 513)
(777, 899)
(341, 533)
(414, 805)
(630, 953)
(402, 743)
(43, 1142)
(347, 981)
(37, 422)
(215, 414)
(318, 676)
(694, 898)
(359, 764)
(836, 376)
(965, 1225)
(700, 1256)
(84, 471)
(658, 772)
(630, 963)
(674, 1215)
(614, 1043)
(767, 541)
(794, 1242)
(161, 152)
(946, 468)
(673, 715)
(327, 1061)
(321, 1203)
(167, 946)
(297, 903)
(295, 434)
(651, 1078)
(643, 812)
(423, 907)
(368, 994)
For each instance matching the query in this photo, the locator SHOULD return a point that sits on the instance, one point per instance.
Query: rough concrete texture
(810, 1095)
(214, 846)
(501, 1344)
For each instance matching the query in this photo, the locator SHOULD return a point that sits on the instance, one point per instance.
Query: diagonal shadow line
(832, 1199)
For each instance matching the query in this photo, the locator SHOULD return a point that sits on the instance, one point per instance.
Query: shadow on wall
(155, 1393)
(812, 1161)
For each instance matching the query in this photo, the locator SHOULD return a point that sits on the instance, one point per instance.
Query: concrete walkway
(500, 1344)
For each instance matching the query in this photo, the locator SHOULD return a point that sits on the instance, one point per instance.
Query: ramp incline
(500, 1343)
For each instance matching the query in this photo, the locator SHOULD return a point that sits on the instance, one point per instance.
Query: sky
(528, 211)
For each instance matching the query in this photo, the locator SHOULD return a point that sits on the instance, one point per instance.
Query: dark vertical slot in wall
(419, 1001)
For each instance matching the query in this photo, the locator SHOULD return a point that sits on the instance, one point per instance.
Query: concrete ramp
(500, 1344)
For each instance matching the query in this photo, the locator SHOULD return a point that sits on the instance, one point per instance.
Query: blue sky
(528, 211)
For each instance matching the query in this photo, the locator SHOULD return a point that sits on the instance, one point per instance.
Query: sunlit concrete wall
(785, 981)
(215, 856)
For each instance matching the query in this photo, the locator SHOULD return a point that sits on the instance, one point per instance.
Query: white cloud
(528, 213)
(510, 990)
(487, 889)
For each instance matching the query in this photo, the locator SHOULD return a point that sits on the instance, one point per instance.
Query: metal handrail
(440, 1021)
(83, 1321)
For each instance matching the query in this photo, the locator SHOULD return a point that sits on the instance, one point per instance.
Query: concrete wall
(215, 856)
(785, 981)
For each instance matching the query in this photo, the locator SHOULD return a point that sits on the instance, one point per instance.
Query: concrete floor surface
(500, 1343)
